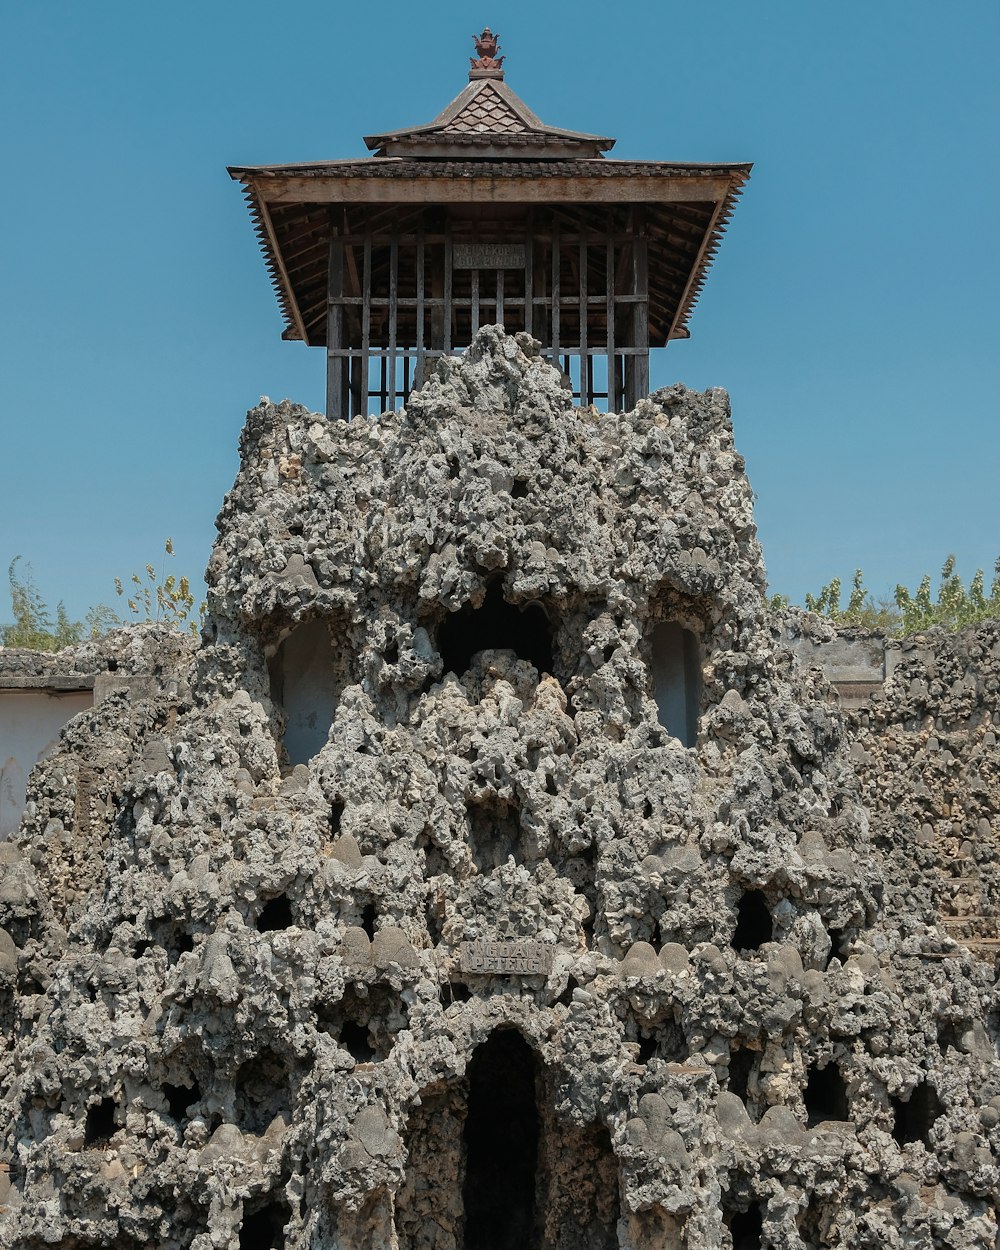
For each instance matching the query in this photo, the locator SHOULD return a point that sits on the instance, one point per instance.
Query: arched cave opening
(754, 925)
(180, 1097)
(264, 1229)
(355, 1040)
(746, 1228)
(100, 1126)
(826, 1095)
(496, 625)
(676, 672)
(914, 1117)
(276, 914)
(305, 683)
(741, 1063)
(501, 1143)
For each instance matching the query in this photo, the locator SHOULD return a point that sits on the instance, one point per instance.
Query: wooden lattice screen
(406, 286)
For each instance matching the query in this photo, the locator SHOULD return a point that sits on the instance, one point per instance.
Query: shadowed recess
(501, 1141)
(746, 1228)
(264, 1229)
(100, 1125)
(676, 674)
(914, 1117)
(754, 926)
(826, 1095)
(496, 625)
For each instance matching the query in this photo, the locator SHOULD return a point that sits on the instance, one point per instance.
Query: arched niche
(492, 1167)
(306, 684)
(675, 669)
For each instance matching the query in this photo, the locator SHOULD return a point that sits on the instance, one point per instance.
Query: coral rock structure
(490, 877)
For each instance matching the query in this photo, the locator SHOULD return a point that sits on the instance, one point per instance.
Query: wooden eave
(688, 208)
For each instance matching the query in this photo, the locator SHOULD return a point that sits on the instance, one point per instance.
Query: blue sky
(851, 311)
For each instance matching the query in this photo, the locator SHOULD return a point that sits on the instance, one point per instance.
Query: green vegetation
(34, 624)
(153, 598)
(158, 598)
(955, 606)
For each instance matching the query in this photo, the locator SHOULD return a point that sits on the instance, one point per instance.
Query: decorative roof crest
(487, 64)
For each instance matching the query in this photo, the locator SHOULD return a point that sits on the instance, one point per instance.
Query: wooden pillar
(637, 372)
(393, 316)
(336, 373)
(418, 372)
(556, 276)
(366, 322)
(609, 290)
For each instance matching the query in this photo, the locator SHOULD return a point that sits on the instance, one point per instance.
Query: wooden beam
(291, 189)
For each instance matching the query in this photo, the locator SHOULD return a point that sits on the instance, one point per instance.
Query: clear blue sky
(851, 312)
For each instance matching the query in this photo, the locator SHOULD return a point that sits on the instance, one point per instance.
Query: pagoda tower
(486, 214)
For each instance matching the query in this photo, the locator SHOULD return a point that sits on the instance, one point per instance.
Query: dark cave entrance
(826, 1096)
(754, 926)
(496, 625)
(533, 1179)
(501, 1143)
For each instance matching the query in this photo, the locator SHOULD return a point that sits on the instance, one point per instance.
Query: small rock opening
(496, 625)
(305, 684)
(262, 1091)
(746, 1228)
(741, 1065)
(264, 1229)
(675, 664)
(914, 1117)
(368, 917)
(355, 1040)
(754, 925)
(664, 1040)
(501, 1142)
(180, 1097)
(275, 915)
(494, 832)
(364, 1021)
(100, 1127)
(838, 945)
(519, 488)
(454, 992)
(826, 1095)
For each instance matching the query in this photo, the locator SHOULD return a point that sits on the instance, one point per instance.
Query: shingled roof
(487, 119)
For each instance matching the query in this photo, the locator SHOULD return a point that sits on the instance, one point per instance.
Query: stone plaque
(508, 958)
(488, 256)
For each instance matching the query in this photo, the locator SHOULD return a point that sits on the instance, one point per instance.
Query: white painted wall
(30, 721)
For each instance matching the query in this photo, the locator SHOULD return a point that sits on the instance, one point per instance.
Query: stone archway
(492, 1167)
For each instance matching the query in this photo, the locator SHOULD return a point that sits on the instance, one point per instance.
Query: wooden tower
(485, 215)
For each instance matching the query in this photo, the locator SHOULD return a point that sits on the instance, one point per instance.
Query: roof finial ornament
(487, 64)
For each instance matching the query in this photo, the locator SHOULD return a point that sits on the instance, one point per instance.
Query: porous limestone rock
(238, 1006)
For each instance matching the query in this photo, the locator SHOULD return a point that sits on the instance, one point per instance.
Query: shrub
(909, 612)
(34, 625)
(158, 598)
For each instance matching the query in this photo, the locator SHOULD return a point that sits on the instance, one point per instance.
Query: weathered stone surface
(239, 987)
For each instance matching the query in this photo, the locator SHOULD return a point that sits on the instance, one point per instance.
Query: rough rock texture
(927, 756)
(238, 1015)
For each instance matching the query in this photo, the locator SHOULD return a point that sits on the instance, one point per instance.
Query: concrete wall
(30, 721)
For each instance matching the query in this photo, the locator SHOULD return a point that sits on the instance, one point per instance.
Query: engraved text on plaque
(511, 958)
(488, 256)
